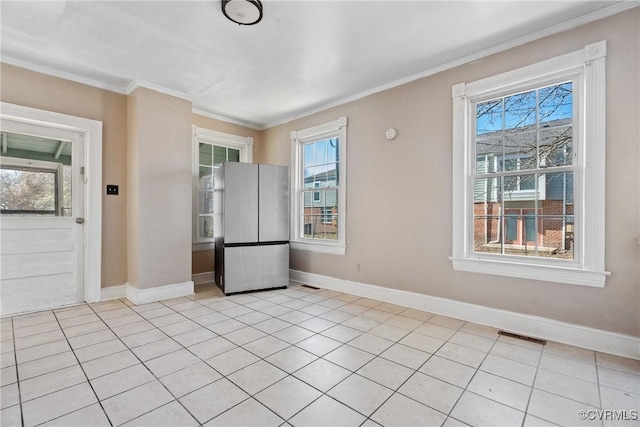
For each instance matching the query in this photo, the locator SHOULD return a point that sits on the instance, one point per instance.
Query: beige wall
(413, 198)
(406, 185)
(36, 90)
(202, 261)
(159, 201)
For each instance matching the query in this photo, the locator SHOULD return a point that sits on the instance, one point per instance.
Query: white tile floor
(296, 356)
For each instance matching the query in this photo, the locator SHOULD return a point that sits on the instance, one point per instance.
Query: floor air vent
(522, 337)
(309, 286)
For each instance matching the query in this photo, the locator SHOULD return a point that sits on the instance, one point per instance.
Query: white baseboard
(200, 278)
(113, 292)
(159, 293)
(539, 327)
(144, 296)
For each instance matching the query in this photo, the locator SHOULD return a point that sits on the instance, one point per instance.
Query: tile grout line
(244, 303)
(83, 371)
(533, 384)
(15, 359)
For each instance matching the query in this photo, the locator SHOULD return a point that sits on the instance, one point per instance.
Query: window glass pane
(206, 226)
(486, 190)
(204, 154)
(559, 186)
(489, 117)
(557, 236)
(219, 155)
(488, 150)
(320, 153)
(333, 150)
(27, 192)
(206, 178)
(521, 146)
(519, 187)
(205, 202)
(520, 110)
(315, 176)
(556, 103)
(67, 201)
(486, 229)
(308, 155)
(556, 146)
(234, 155)
(527, 182)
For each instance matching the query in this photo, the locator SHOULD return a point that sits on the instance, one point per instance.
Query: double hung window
(529, 171)
(211, 149)
(319, 187)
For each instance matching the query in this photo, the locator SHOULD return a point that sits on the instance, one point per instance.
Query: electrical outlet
(112, 190)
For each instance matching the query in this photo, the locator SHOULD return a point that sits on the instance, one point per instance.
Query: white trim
(92, 130)
(113, 292)
(158, 293)
(111, 87)
(200, 278)
(320, 247)
(544, 272)
(135, 84)
(587, 67)
(244, 144)
(226, 119)
(330, 129)
(203, 246)
(540, 327)
(573, 23)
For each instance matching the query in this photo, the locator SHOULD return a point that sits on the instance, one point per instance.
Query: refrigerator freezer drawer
(249, 268)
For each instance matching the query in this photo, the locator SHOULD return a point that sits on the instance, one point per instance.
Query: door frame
(92, 131)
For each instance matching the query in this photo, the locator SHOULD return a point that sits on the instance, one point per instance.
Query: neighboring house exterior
(321, 207)
(524, 210)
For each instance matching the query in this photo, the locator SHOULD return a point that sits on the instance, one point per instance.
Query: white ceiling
(303, 55)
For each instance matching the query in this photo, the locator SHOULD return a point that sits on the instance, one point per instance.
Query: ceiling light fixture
(242, 12)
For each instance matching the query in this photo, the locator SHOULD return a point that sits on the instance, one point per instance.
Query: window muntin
(524, 168)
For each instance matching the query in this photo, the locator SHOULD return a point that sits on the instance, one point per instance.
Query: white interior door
(42, 192)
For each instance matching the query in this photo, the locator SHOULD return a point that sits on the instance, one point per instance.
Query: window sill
(204, 246)
(319, 247)
(547, 273)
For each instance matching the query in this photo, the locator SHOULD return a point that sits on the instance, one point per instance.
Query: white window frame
(587, 269)
(40, 165)
(201, 135)
(332, 129)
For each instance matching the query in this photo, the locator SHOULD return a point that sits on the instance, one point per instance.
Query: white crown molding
(576, 22)
(226, 119)
(62, 74)
(135, 84)
(540, 327)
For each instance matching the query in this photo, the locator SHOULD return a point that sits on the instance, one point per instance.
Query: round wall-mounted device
(391, 133)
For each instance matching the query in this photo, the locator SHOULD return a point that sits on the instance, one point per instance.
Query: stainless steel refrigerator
(251, 226)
